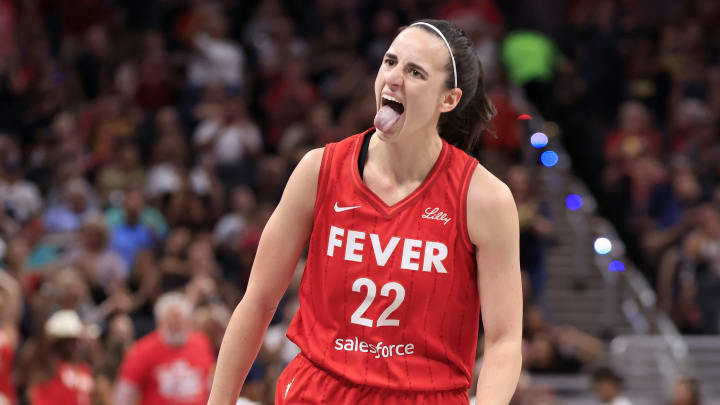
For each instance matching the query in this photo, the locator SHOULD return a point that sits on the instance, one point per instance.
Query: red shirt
(389, 295)
(7, 354)
(72, 384)
(170, 375)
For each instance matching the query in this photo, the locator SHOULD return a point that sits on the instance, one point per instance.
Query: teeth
(391, 98)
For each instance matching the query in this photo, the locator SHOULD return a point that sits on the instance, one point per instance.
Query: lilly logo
(435, 213)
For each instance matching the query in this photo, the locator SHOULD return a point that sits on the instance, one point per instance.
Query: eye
(390, 62)
(415, 72)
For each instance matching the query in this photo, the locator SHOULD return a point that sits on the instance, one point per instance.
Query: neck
(408, 158)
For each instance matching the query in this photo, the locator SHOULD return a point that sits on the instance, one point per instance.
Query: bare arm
(494, 230)
(11, 311)
(281, 244)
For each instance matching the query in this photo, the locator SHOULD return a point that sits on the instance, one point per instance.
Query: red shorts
(303, 383)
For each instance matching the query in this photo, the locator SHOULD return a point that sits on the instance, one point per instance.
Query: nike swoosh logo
(287, 389)
(341, 209)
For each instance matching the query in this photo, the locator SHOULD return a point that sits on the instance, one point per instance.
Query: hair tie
(452, 58)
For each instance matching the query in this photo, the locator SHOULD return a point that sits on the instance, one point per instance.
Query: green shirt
(529, 55)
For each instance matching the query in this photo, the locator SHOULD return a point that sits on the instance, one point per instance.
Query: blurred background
(144, 144)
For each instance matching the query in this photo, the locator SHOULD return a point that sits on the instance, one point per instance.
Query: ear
(450, 100)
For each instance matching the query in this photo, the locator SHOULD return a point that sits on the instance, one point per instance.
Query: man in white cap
(68, 380)
(172, 365)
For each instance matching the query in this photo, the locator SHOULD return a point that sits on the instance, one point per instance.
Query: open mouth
(394, 104)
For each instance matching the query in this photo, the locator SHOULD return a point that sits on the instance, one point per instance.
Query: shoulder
(487, 193)
(298, 198)
(311, 161)
(307, 171)
(490, 205)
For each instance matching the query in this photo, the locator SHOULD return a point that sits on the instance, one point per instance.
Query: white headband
(452, 58)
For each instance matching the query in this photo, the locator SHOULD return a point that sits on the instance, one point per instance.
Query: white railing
(626, 292)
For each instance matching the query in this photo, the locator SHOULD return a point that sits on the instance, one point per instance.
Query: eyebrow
(411, 64)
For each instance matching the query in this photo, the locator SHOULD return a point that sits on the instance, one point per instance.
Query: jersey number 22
(357, 316)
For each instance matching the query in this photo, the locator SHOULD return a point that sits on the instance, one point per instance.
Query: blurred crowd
(640, 81)
(145, 143)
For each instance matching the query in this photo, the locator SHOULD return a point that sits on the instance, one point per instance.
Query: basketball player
(10, 309)
(410, 242)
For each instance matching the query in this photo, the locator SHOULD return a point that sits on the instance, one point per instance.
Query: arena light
(549, 158)
(539, 140)
(602, 246)
(574, 202)
(616, 265)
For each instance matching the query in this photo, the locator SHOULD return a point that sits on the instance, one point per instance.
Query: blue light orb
(549, 158)
(538, 140)
(602, 246)
(616, 265)
(574, 202)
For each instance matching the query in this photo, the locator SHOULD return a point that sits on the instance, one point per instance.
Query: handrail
(628, 289)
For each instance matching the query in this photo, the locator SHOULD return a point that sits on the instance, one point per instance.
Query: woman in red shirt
(60, 378)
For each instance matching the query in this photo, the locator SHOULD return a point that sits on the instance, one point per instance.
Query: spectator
(229, 140)
(231, 226)
(171, 365)
(635, 135)
(212, 320)
(129, 234)
(154, 88)
(124, 173)
(76, 206)
(119, 338)
(531, 60)
(300, 138)
(289, 99)
(686, 391)
(216, 57)
(105, 269)
(556, 349)
(20, 199)
(535, 228)
(608, 387)
(62, 377)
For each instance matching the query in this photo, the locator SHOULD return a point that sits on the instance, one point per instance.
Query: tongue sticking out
(386, 118)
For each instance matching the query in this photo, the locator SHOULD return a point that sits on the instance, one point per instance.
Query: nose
(393, 77)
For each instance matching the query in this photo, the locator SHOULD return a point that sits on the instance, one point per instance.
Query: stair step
(574, 305)
(567, 282)
(585, 295)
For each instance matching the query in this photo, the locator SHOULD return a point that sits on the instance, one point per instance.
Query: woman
(60, 375)
(10, 311)
(409, 239)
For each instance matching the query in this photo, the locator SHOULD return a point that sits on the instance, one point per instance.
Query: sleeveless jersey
(7, 390)
(389, 296)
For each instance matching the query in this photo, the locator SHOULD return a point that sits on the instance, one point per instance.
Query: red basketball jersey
(7, 354)
(389, 296)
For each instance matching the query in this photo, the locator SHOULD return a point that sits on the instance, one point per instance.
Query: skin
(399, 160)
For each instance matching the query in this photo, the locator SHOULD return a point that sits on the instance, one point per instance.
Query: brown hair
(464, 125)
